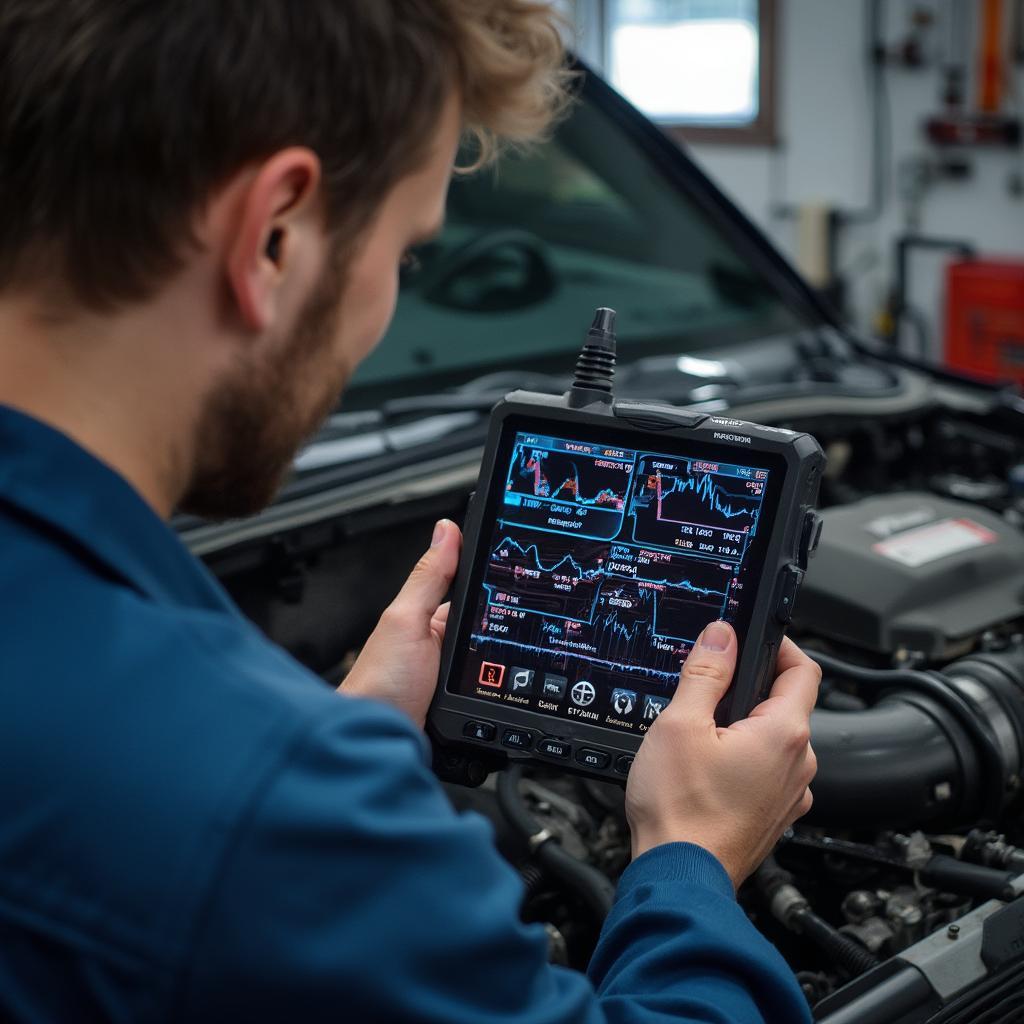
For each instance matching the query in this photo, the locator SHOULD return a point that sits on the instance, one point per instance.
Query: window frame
(759, 132)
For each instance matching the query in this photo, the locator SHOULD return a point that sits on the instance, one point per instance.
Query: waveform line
(586, 574)
(629, 633)
(636, 669)
(707, 490)
(611, 621)
(542, 485)
(581, 573)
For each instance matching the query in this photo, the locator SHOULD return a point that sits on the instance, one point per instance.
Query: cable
(978, 881)
(992, 850)
(840, 949)
(595, 891)
(790, 908)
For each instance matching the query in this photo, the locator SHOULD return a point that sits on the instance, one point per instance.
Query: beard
(253, 424)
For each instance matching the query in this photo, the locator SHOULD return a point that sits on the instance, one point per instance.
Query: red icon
(491, 674)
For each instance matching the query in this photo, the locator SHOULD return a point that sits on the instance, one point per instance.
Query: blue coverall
(193, 827)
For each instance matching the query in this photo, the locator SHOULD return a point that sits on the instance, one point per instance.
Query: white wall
(823, 114)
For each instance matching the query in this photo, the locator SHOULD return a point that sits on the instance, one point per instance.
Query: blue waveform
(621, 666)
(610, 622)
(634, 628)
(708, 490)
(531, 551)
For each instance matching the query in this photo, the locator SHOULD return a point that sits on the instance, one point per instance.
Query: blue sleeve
(678, 947)
(351, 890)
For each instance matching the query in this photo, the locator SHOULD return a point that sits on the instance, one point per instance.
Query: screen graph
(603, 567)
(568, 486)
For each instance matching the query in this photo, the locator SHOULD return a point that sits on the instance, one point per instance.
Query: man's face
(255, 420)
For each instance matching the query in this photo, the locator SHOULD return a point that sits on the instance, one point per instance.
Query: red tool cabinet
(985, 318)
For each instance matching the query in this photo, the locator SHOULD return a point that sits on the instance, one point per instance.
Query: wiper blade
(478, 395)
(334, 451)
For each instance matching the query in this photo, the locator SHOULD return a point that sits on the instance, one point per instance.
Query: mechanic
(205, 204)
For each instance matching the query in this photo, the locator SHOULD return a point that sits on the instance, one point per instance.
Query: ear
(273, 213)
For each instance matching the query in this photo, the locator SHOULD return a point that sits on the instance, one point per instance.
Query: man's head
(255, 170)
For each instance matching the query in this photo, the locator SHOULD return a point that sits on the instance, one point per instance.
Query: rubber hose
(849, 955)
(923, 754)
(937, 689)
(594, 890)
(892, 766)
(533, 879)
(790, 908)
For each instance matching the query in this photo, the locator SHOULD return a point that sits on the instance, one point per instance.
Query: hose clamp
(538, 839)
(992, 712)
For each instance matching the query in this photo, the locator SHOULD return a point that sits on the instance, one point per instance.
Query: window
(701, 68)
(530, 249)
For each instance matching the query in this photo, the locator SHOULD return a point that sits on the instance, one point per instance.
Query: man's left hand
(400, 661)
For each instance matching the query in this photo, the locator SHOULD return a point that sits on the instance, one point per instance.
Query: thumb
(433, 574)
(707, 672)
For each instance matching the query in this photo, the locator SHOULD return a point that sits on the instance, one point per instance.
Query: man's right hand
(733, 791)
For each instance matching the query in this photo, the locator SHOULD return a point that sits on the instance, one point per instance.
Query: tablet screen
(600, 567)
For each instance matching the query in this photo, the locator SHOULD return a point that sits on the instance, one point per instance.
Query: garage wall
(823, 155)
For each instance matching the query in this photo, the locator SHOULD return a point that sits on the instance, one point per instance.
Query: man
(204, 207)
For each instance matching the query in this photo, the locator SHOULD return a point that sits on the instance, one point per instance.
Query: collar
(64, 491)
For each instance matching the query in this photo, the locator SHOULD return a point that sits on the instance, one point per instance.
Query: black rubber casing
(795, 527)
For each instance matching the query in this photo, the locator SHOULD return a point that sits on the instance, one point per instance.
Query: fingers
(796, 812)
(810, 764)
(789, 656)
(440, 620)
(805, 800)
(430, 579)
(803, 805)
(707, 672)
(795, 690)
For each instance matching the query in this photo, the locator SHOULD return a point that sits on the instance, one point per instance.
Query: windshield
(533, 246)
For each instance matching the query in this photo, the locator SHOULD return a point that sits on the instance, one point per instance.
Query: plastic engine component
(912, 571)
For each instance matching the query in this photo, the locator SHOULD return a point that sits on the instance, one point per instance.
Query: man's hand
(401, 659)
(733, 791)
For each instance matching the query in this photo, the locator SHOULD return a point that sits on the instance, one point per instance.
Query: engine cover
(912, 571)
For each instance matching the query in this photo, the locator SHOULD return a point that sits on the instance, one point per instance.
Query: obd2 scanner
(603, 537)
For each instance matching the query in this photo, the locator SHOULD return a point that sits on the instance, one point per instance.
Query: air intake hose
(935, 749)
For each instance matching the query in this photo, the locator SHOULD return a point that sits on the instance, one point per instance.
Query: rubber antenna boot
(595, 367)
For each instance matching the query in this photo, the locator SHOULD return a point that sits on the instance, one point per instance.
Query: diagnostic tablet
(604, 536)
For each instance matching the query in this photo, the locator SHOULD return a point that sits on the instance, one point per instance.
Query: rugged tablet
(603, 537)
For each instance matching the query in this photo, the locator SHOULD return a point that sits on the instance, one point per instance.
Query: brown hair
(119, 118)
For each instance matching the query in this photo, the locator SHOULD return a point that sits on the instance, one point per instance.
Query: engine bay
(897, 898)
